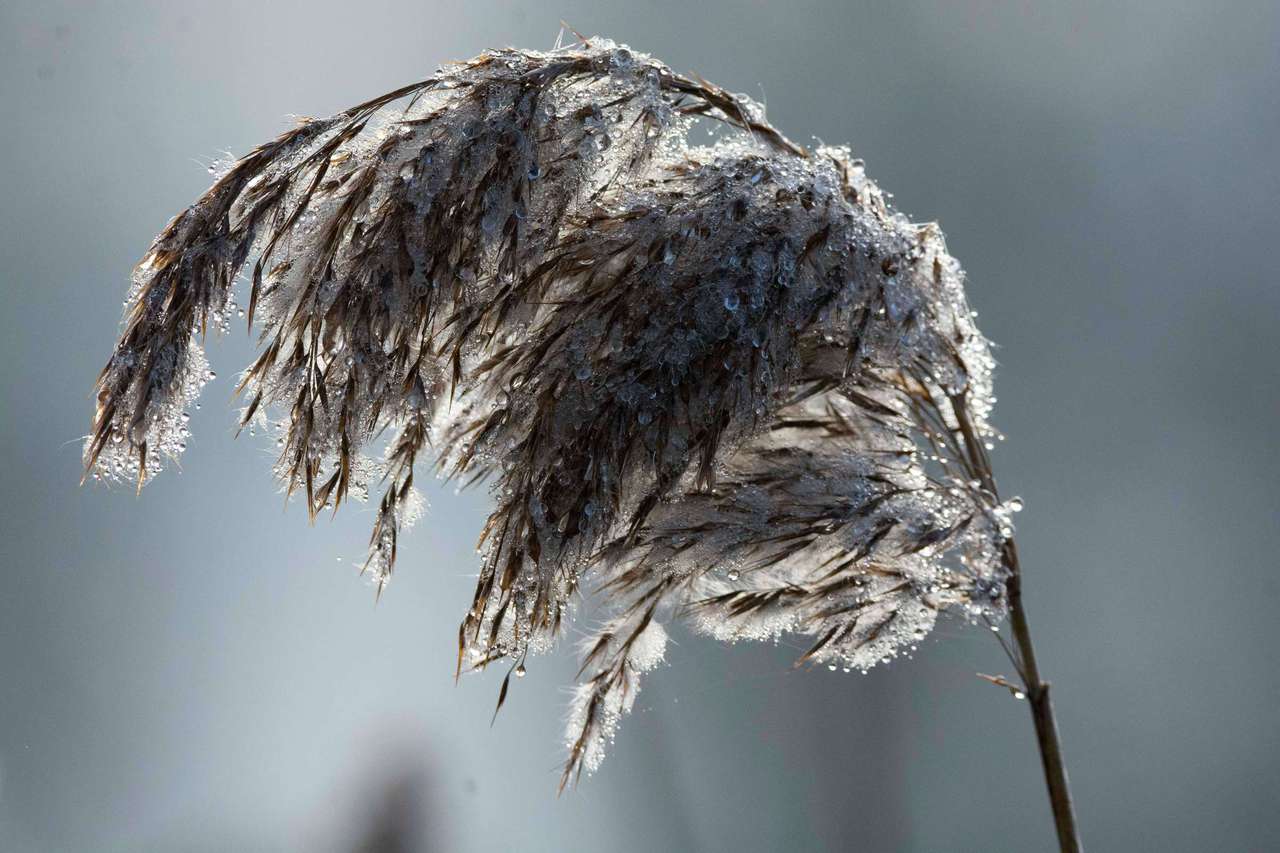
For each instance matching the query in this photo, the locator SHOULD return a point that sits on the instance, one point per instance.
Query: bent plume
(722, 382)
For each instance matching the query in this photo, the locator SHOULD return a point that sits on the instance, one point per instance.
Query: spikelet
(727, 383)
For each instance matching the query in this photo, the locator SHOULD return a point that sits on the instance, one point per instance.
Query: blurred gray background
(197, 670)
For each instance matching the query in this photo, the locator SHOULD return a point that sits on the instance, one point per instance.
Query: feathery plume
(727, 382)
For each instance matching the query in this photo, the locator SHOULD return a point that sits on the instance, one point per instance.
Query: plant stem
(1055, 771)
(1036, 688)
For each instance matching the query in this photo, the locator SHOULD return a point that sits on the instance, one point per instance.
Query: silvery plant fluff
(722, 383)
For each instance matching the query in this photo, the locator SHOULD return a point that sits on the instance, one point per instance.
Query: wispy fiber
(727, 382)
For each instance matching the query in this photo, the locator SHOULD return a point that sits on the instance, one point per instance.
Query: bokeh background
(197, 670)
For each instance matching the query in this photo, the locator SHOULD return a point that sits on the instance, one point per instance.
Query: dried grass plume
(724, 382)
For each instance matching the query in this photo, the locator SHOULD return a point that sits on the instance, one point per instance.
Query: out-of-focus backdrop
(198, 670)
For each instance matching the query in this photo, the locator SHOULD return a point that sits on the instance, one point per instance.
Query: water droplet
(731, 301)
(734, 574)
(622, 58)
(1015, 504)
(520, 671)
(1018, 694)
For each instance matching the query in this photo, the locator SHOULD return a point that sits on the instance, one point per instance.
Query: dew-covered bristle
(726, 383)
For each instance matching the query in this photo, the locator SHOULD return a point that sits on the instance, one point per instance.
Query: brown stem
(1036, 688)
(1055, 770)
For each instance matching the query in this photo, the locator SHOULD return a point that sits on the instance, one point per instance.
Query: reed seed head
(724, 382)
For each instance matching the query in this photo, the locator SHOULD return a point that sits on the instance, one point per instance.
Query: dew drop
(734, 574)
(622, 58)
